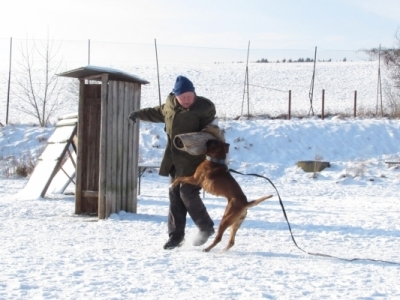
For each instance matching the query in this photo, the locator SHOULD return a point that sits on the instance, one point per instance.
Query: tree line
(265, 60)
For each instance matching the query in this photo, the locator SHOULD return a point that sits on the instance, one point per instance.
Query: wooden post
(114, 157)
(120, 150)
(130, 148)
(323, 105)
(125, 146)
(78, 186)
(355, 104)
(103, 148)
(135, 146)
(110, 149)
(290, 104)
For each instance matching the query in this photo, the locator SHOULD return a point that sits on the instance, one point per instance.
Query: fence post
(290, 103)
(323, 105)
(9, 82)
(355, 104)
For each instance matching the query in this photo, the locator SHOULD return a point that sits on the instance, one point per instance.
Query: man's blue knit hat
(182, 85)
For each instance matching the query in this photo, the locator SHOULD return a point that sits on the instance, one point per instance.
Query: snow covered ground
(350, 210)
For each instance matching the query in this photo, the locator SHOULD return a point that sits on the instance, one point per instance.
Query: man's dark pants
(185, 198)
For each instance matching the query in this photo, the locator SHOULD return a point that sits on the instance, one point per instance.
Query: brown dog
(213, 176)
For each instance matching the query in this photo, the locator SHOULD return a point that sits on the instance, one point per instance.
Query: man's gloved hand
(133, 116)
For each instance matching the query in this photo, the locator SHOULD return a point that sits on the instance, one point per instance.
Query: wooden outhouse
(108, 143)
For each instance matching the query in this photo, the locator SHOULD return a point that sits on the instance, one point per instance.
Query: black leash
(290, 228)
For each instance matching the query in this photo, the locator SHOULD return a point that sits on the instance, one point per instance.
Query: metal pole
(88, 51)
(380, 81)
(323, 105)
(311, 93)
(355, 104)
(247, 76)
(379, 86)
(246, 84)
(158, 75)
(9, 82)
(290, 104)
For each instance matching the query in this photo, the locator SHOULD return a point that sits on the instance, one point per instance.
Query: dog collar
(216, 160)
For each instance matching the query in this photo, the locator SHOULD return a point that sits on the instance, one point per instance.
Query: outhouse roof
(113, 74)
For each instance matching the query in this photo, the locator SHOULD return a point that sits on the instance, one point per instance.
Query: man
(183, 112)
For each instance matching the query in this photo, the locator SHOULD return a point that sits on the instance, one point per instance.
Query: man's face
(186, 99)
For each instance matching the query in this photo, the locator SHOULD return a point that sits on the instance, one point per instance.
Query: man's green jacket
(180, 120)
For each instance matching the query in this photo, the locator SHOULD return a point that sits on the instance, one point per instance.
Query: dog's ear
(226, 148)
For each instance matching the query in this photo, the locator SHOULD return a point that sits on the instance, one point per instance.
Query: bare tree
(393, 99)
(38, 87)
(391, 59)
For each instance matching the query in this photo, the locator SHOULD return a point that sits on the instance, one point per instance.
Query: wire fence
(218, 73)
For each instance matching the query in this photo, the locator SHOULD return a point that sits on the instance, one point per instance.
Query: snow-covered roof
(113, 74)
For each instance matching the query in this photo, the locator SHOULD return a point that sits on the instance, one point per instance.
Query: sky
(267, 24)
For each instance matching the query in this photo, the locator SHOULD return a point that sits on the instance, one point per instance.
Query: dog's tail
(258, 201)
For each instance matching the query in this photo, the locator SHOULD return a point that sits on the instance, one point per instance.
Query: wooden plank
(129, 149)
(120, 150)
(63, 134)
(110, 148)
(75, 143)
(125, 137)
(135, 145)
(68, 116)
(71, 157)
(57, 166)
(67, 122)
(93, 194)
(78, 187)
(36, 184)
(103, 148)
(131, 163)
(63, 169)
(65, 176)
(53, 151)
(97, 77)
(114, 157)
